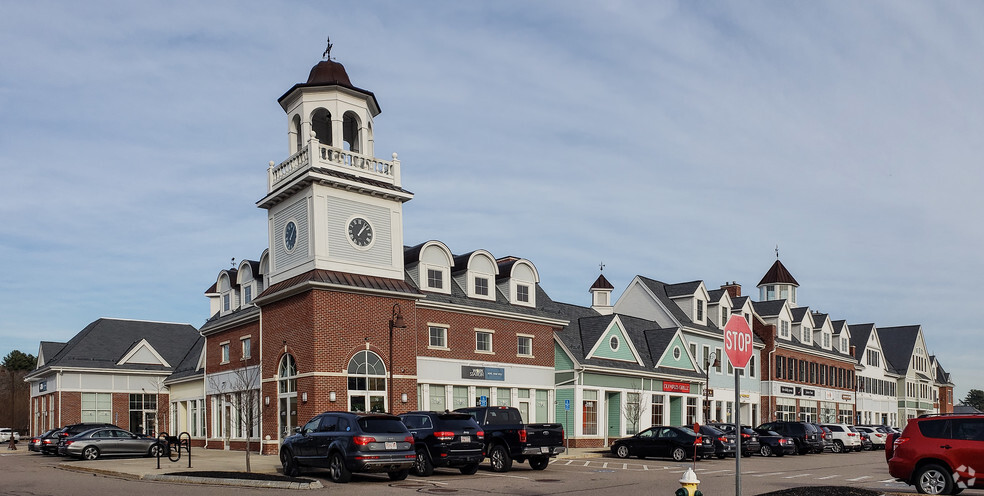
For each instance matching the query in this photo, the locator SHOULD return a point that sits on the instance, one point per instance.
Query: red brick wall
(70, 408)
(461, 338)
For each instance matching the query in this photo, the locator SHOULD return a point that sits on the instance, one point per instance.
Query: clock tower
(332, 205)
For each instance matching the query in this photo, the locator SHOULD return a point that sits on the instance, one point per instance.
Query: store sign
(483, 373)
(809, 392)
(846, 397)
(786, 390)
(676, 387)
(42, 386)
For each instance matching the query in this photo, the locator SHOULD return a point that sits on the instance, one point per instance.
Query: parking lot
(595, 474)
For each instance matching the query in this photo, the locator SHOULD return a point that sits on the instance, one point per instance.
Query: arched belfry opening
(351, 135)
(321, 125)
(296, 138)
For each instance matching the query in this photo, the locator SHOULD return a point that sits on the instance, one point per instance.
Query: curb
(234, 482)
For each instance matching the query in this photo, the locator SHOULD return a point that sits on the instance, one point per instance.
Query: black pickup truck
(507, 438)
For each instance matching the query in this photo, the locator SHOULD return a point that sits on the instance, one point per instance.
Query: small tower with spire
(601, 294)
(778, 284)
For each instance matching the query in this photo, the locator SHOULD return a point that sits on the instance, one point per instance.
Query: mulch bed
(823, 491)
(243, 476)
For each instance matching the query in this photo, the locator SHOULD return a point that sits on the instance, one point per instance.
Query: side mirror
(297, 430)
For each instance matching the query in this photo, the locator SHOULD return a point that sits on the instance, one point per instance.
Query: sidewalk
(209, 460)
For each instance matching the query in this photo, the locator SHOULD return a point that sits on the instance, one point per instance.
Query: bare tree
(632, 411)
(241, 388)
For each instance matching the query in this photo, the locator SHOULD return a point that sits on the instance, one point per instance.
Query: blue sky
(679, 141)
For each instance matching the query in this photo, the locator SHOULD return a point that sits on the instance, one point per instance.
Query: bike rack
(171, 446)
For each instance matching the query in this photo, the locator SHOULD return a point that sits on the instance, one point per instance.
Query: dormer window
(784, 329)
(843, 345)
(700, 311)
(482, 286)
(225, 302)
(247, 295)
(435, 279)
(522, 293)
(725, 312)
(826, 340)
(807, 336)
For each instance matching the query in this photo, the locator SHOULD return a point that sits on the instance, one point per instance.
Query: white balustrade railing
(337, 158)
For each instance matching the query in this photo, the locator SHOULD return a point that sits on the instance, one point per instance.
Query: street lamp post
(711, 360)
(396, 322)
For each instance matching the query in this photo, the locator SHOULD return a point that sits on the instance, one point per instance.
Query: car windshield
(711, 431)
(382, 425)
(465, 422)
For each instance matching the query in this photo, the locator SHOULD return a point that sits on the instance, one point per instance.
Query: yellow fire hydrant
(689, 484)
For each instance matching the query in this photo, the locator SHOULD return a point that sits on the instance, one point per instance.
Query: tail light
(743, 435)
(67, 443)
(447, 436)
(723, 439)
(364, 440)
(900, 441)
(782, 441)
(851, 434)
(522, 435)
(481, 434)
(408, 439)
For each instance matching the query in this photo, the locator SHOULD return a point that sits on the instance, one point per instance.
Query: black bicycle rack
(172, 446)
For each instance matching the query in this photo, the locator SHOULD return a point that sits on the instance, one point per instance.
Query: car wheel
(423, 467)
(90, 453)
(679, 454)
(337, 471)
(289, 463)
(468, 469)
(934, 479)
(765, 450)
(154, 451)
(838, 447)
(539, 462)
(398, 475)
(622, 451)
(499, 459)
(721, 456)
(746, 454)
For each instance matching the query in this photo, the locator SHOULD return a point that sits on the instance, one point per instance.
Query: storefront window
(367, 383)
(691, 410)
(589, 409)
(657, 411)
(437, 400)
(459, 395)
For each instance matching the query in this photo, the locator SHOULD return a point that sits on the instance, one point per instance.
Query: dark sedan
(724, 444)
(772, 443)
(678, 443)
(749, 438)
(35, 444)
(108, 441)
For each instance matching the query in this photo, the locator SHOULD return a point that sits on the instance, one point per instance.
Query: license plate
(754, 439)
(466, 439)
(544, 449)
(391, 445)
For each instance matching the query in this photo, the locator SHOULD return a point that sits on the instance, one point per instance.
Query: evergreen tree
(975, 398)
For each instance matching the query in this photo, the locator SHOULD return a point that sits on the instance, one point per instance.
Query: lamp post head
(397, 321)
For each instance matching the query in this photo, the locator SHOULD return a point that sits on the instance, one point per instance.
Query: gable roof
(103, 343)
(187, 368)
(778, 274)
(860, 333)
(898, 344)
(771, 308)
(47, 351)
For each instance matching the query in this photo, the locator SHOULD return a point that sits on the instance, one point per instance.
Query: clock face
(360, 232)
(290, 235)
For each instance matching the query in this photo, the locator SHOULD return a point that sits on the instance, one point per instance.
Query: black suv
(445, 440)
(804, 434)
(347, 442)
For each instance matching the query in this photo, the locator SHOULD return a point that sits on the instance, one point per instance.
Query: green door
(676, 410)
(614, 415)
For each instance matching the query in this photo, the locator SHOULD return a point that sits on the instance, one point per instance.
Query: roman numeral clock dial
(360, 232)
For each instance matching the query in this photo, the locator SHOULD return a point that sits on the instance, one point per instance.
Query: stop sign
(738, 341)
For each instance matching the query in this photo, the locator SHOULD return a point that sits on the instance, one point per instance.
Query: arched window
(321, 125)
(350, 132)
(366, 383)
(295, 130)
(287, 394)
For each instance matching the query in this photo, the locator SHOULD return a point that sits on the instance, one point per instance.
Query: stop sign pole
(738, 346)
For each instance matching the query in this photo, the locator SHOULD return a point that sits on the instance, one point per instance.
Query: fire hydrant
(689, 484)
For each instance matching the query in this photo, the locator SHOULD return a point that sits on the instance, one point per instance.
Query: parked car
(49, 442)
(804, 434)
(876, 436)
(679, 443)
(107, 441)
(827, 436)
(73, 429)
(507, 438)
(35, 443)
(773, 443)
(445, 440)
(866, 444)
(749, 438)
(845, 440)
(347, 442)
(724, 444)
(6, 432)
(938, 453)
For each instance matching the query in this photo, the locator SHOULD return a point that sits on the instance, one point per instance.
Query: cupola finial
(602, 266)
(777, 246)
(327, 54)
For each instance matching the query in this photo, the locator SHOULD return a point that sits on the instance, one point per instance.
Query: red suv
(939, 454)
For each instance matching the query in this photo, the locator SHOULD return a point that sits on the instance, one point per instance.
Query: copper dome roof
(328, 72)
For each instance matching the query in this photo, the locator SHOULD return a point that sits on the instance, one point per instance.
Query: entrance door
(614, 415)
(676, 410)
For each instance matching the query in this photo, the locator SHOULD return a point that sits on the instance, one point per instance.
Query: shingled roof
(778, 274)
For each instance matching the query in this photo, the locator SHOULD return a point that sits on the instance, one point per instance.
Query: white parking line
(625, 466)
(645, 467)
(569, 462)
(766, 475)
(856, 479)
(715, 472)
(827, 477)
(796, 476)
(604, 465)
(586, 464)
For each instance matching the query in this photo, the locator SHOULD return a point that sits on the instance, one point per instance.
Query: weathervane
(777, 252)
(327, 54)
(602, 266)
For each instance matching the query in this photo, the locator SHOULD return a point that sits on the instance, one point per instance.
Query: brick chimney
(733, 289)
